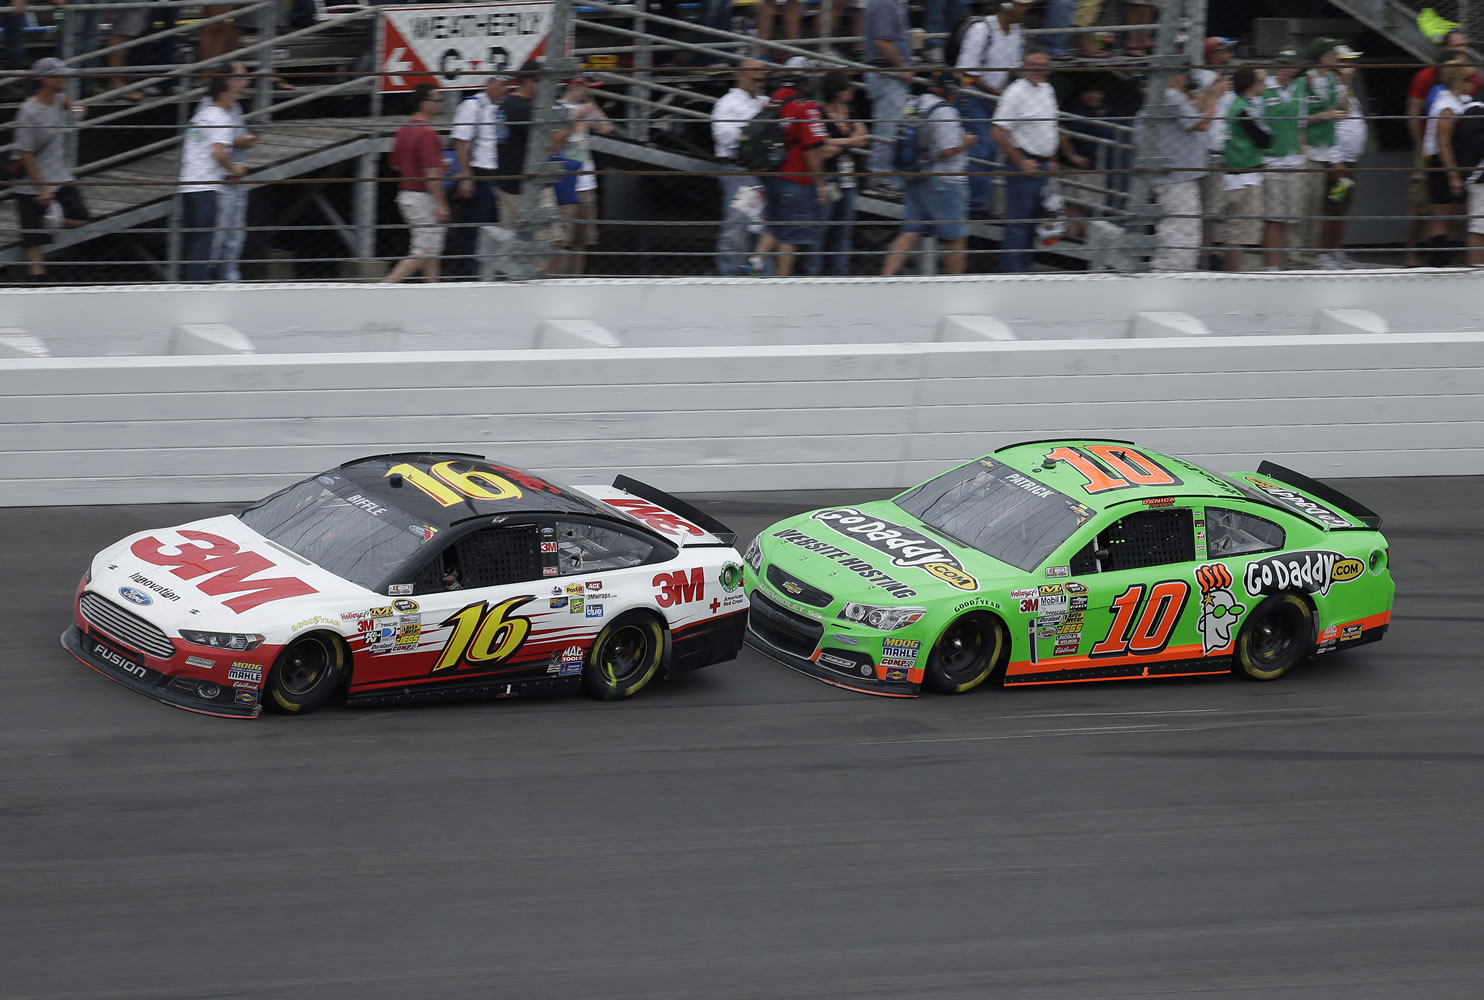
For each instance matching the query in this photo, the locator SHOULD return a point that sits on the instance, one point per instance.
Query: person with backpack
(980, 42)
(784, 145)
(730, 116)
(933, 143)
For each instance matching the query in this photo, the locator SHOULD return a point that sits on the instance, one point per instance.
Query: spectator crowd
(1251, 161)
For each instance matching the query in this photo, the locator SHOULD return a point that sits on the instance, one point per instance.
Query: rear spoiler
(655, 495)
(1370, 520)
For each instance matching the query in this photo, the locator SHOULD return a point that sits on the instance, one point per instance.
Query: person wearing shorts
(45, 196)
(1246, 139)
(417, 155)
(1284, 184)
(1445, 178)
(130, 22)
(937, 201)
(580, 219)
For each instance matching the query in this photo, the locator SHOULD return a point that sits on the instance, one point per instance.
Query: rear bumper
(703, 643)
(118, 665)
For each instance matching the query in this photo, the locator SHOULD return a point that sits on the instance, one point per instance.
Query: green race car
(1049, 562)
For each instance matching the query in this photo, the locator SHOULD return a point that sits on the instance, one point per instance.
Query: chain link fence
(1061, 135)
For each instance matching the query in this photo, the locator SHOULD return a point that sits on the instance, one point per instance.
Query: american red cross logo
(715, 603)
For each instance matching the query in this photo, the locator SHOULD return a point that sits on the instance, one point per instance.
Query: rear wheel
(1277, 634)
(625, 657)
(965, 654)
(308, 673)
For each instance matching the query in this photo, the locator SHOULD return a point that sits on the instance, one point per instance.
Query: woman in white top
(1445, 181)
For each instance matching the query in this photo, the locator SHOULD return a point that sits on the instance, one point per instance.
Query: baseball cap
(51, 66)
(1319, 46)
(1346, 52)
(1290, 57)
(586, 78)
(946, 79)
(1217, 42)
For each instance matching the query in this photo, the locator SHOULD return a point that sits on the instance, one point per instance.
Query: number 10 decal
(1151, 634)
(1114, 467)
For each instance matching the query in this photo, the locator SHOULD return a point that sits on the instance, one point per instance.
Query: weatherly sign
(459, 46)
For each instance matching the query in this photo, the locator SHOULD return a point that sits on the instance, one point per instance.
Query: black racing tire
(626, 656)
(965, 655)
(1277, 634)
(308, 674)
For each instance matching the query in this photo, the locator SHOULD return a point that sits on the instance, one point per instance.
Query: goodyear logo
(1346, 570)
(905, 546)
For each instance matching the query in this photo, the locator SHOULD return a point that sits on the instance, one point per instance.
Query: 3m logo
(675, 588)
(211, 554)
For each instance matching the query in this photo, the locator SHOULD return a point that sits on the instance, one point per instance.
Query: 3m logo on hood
(1312, 571)
(905, 546)
(207, 554)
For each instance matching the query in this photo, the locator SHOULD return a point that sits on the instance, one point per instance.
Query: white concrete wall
(104, 321)
(233, 427)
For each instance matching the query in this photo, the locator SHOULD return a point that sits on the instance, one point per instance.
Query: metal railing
(325, 206)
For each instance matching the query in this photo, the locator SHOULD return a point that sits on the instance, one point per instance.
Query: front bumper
(796, 642)
(116, 663)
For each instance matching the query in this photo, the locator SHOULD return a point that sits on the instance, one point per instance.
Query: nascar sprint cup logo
(1312, 572)
(906, 547)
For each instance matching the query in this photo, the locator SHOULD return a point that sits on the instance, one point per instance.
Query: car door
(1227, 540)
(469, 611)
(1126, 608)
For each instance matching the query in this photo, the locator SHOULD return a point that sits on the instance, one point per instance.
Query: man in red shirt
(1455, 45)
(796, 192)
(417, 154)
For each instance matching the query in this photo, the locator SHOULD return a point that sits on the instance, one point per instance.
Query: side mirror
(1100, 554)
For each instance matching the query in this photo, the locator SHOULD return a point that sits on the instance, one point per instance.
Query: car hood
(215, 574)
(872, 550)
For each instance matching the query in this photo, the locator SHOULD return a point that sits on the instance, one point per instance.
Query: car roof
(373, 478)
(1027, 457)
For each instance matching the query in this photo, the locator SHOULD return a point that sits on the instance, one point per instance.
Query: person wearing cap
(797, 191)
(936, 201)
(1322, 105)
(1218, 53)
(477, 124)
(518, 109)
(581, 217)
(1284, 183)
(997, 40)
(45, 195)
(1025, 128)
(1247, 136)
(1177, 134)
(729, 114)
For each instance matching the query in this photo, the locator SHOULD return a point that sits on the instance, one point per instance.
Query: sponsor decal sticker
(594, 611)
(1332, 632)
(1312, 571)
(1073, 587)
(399, 588)
(846, 640)
(896, 674)
(1078, 604)
(574, 588)
(405, 606)
(245, 697)
(575, 607)
(1297, 501)
(365, 503)
(423, 531)
(836, 661)
(1058, 571)
(558, 602)
(676, 588)
(906, 546)
(245, 672)
(859, 567)
(549, 570)
(1220, 611)
(316, 620)
(595, 585)
(161, 591)
(200, 661)
(1351, 631)
(548, 546)
(730, 577)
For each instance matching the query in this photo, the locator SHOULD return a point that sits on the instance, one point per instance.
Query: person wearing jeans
(231, 211)
(998, 40)
(837, 211)
(206, 167)
(732, 111)
(1026, 133)
(889, 48)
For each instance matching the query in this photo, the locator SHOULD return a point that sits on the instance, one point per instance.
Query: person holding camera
(1179, 137)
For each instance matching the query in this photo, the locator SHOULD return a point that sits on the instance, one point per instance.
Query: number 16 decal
(1151, 633)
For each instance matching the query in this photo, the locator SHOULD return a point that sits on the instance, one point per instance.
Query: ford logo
(135, 596)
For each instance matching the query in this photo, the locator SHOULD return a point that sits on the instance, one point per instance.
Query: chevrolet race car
(411, 576)
(1049, 562)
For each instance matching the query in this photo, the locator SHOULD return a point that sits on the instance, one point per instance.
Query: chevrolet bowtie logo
(793, 588)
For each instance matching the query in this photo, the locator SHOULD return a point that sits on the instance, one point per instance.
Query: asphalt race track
(751, 832)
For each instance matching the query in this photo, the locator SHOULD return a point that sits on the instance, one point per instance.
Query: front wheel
(307, 674)
(1276, 635)
(625, 657)
(965, 654)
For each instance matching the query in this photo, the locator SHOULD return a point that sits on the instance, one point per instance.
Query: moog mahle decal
(1311, 571)
(906, 548)
(484, 634)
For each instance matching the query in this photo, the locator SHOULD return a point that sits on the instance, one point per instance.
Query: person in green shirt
(1284, 183)
(1325, 102)
(1246, 138)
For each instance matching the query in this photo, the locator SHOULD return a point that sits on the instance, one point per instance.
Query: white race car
(414, 576)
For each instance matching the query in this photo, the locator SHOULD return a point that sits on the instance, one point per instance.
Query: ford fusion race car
(410, 576)
(1055, 561)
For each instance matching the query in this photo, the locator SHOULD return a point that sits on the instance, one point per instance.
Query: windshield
(997, 510)
(352, 536)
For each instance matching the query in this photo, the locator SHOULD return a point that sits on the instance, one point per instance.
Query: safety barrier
(571, 313)
(119, 430)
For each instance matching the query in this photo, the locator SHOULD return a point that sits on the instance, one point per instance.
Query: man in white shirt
(732, 110)
(206, 167)
(1219, 52)
(1025, 131)
(477, 124)
(231, 200)
(996, 40)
